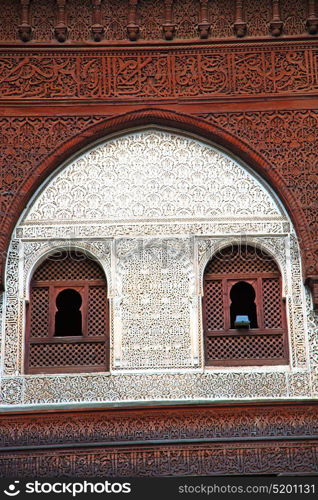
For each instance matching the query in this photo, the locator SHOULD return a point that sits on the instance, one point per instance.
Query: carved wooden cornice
(194, 440)
(118, 21)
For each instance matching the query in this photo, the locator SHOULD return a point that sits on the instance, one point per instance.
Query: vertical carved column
(276, 24)
(132, 26)
(204, 25)
(312, 20)
(60, 30)
(168, 27)
(25, 30)
(97, 29)
(239, 24)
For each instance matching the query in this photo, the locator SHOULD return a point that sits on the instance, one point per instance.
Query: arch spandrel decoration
(154, 234)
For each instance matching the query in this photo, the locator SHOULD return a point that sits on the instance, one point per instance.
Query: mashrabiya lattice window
(67, 318)
(243, 309)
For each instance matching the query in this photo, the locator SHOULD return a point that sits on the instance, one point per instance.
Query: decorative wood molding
(61, 28)
(182, 20)
(276, 24)
(122, 441)
(97, 29)
(25, 30)
(239, 24)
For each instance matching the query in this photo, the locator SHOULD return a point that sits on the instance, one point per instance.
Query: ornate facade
(150, 141)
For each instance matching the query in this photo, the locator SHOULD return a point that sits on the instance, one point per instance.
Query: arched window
(67, 320)
(243, 310)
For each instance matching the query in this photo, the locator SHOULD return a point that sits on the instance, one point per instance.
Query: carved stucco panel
(156, 279)
(151, 387)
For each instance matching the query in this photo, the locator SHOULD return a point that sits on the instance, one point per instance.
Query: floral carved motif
(186, 18)
(115, 26)
(171, 424)
(257, 16)
(294, 14)
(9, 20)
(168, 177)
(151, 17)
(79, 19)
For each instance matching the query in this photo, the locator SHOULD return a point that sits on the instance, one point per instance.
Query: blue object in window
(242, 322)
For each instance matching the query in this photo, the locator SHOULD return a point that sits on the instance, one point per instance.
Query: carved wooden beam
(132, 26)
(312, 282)
(25, 30)
(312, 20)
(60, 30)
(204, 25)
(239, 24)
(168, 26)
(276, 24)
(97, 29)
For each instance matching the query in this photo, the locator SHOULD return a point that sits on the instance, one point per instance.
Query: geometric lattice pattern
(97, 310)
(67, 266)
(62, 355)
(241, 259)
(245, 347)
(214, 309)
(272, 303)
(40, 312)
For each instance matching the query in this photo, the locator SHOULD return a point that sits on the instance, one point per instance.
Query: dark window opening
(68, 318)
(243, 303)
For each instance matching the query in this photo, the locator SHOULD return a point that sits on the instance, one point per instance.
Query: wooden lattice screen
(266, 344)
(49, 353)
